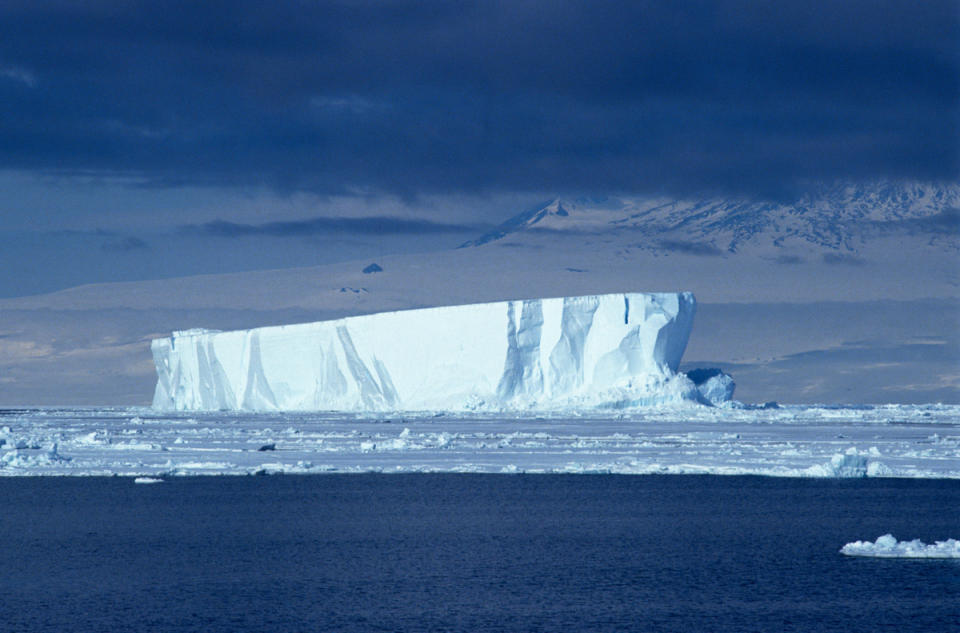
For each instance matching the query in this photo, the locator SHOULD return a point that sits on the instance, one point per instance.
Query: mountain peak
(522, 221)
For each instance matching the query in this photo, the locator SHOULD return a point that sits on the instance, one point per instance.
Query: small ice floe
(852, 463)
(889, 547)
(147, 480)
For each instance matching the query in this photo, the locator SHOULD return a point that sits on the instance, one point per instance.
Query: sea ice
(791, 441)
(33, 457)
(889, 547)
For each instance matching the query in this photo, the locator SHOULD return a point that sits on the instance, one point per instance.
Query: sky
(141, 140)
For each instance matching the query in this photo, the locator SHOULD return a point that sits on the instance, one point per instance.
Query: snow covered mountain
(841, 218)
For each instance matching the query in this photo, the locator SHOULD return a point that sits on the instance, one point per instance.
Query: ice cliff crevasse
(616, 350)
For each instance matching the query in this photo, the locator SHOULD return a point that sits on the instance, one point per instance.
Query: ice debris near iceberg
(601, 351)
(887, 546)
(715, 386)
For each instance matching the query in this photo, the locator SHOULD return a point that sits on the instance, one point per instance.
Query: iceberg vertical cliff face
(592, 351)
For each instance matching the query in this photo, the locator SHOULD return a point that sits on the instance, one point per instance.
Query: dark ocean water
(472, 553)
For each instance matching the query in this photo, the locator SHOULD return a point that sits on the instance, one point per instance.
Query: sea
(472, 552)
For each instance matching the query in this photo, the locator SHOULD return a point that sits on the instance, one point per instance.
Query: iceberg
(597, 351)
(887, 546)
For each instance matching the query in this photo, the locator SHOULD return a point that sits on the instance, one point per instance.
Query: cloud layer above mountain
(415, 96)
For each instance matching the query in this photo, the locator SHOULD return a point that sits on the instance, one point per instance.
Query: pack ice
(600, 351)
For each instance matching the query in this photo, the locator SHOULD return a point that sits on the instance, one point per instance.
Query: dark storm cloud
(110, 241)
(322, 226)
(947, 222)
(788, 260)
(421, 96)
(839, 259)
(700, 249)
(123, 244)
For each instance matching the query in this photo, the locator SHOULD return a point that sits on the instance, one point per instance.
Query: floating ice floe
(887, 546)
(147, 480)
(852, 463)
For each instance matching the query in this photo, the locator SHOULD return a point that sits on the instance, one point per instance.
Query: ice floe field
(918, 441)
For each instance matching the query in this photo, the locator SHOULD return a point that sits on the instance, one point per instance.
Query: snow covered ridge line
(887, 546)
(588, 352)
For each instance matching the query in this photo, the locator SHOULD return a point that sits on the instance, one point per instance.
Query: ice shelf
(600, 351)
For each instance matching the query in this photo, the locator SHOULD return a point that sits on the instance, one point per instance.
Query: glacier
(597, 351)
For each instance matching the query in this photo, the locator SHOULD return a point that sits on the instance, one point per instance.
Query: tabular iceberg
(615, 350)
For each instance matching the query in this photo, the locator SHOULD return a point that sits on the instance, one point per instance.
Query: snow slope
(616, 350)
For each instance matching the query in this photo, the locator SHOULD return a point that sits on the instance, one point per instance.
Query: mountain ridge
(839, 218)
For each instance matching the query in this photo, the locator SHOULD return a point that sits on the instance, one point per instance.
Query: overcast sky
(145, 139)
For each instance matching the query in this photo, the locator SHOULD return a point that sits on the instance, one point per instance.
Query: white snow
(887, 546)
(597, 351)
(921, 441)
